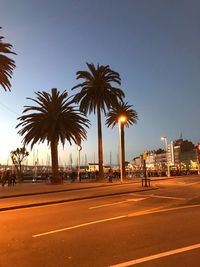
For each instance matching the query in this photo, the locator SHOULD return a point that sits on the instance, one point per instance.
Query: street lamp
(79, 154)
(122, 121)
(164, 138)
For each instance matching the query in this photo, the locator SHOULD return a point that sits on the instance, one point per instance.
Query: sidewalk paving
(26, 189)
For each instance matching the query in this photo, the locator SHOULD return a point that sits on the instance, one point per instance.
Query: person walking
(110, 175)
(13, 178)
(6, 177)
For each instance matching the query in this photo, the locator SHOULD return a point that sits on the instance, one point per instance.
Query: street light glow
(122, 118)
(79, 148)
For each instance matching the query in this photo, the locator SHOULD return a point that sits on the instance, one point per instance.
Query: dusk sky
(153, 44)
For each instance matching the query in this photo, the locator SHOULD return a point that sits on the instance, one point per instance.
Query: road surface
(144, 229)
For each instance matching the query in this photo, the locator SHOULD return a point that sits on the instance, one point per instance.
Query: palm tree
(53, 119)
(97, 94)
(7, 64)
(18, 156)
(130, 117)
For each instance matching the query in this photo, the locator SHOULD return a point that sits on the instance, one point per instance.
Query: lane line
(116, 203)
(158, 196)
(79, 225)
(48, 205)
(157, 256)
(136, 214)
(161, 210)
(192, 183)
(166, 197)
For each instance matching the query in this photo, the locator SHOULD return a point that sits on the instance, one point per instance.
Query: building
(93, 167)
(181, 155)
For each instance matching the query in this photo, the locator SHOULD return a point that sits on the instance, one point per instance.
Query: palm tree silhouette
(7, 64)
(53, 119)
(130, 118)
(97, 94)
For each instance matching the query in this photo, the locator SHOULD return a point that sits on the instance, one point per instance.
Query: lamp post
(164, 138)
(79, 154)
(122, 121)
(198, 157)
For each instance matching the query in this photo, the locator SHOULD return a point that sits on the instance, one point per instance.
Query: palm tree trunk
(123, 151)
(100, 144)
(54, 162)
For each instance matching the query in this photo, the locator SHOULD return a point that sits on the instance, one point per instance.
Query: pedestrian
(6, 177)
(110, 175)
(73, 176)
(13, 178)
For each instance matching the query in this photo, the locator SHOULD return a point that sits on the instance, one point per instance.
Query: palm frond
(53, 117)
(97, 88)
(122, 109)
(7, 64)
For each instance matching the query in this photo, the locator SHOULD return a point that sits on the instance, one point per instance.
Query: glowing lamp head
(163, 138)
(79, 148)
(122, 119)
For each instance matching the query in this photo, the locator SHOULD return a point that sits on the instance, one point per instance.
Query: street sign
(145, 155)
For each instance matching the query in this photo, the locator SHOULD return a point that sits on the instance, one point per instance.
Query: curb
(38, 204)
(63, 190)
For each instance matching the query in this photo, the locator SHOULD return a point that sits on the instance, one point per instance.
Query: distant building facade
(181, 155)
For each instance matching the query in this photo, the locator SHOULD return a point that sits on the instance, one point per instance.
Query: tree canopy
(7, 64)
(55, 119)
(121, 109)
(97, 94)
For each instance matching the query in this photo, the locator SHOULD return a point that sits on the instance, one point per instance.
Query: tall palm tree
(18, 156)
(53, 119)
(98, 94)
(7, 64)
(130, 117)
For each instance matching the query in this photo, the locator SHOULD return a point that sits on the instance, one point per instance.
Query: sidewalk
(27, 189)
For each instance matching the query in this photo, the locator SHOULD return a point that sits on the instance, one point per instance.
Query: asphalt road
(146, 229)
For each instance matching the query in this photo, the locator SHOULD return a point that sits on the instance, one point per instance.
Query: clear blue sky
(154, 45)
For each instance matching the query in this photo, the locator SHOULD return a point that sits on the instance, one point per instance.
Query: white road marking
(166, 197)
(136, 214)
(151, 211)
(192, 183)
(157, 256)
(158, 196)
(137, 199)
(116, 203)
(79, 225)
